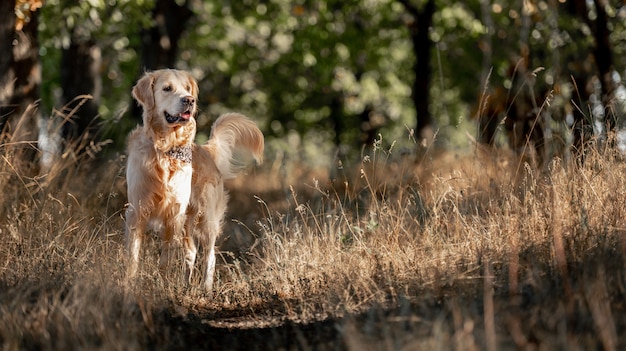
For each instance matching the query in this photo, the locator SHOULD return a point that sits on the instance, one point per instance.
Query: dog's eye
(167, 88)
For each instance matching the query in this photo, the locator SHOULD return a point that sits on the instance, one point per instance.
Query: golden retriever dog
(174, 184)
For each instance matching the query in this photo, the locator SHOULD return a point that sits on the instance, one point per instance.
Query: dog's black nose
(188, 100)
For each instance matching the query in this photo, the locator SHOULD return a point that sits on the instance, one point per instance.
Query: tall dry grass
(459, 251)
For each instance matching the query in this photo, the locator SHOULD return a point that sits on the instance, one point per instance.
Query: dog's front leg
(189, 246)
(172, 230)
(166, 247)
(135, 227)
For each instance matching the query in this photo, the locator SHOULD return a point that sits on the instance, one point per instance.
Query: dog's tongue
(185, 115)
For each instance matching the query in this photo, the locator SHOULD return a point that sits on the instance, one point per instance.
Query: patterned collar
(182, 153)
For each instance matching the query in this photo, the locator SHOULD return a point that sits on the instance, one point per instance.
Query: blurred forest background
(320, 77)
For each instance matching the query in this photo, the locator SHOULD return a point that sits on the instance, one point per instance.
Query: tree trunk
(159, 44)
(369, 127)
(21, 81)
(337, 119)
(582, 130)
(422, 47)
(81, 84)
(7, 74)
(602, 54)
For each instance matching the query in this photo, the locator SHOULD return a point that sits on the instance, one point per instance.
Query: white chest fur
(179, 186)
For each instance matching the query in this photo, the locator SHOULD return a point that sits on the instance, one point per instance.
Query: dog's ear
(143, 91)
(194, 86)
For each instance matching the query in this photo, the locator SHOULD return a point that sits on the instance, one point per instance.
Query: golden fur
(173, 181)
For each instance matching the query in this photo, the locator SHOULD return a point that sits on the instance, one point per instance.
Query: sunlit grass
(462, 251)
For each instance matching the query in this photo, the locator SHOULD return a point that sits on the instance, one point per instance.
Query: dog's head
(168, 98)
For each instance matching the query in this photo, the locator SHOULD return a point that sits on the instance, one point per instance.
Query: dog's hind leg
(190, 256)
(212, 230)
(207, 232)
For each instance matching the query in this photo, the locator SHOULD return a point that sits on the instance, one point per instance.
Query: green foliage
(457, 32)
(288, 62)
(309, 69)
(114, 25)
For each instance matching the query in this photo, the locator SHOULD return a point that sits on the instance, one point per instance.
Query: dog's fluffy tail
(235, 139)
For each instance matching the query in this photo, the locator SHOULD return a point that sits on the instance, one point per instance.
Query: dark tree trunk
(7, 74)
(159, 44)
(337, 119)
(369, 125)
(602, 54)
(369, 128)
(81, 83)
(582, 130)
(20, 76)
(422, 47)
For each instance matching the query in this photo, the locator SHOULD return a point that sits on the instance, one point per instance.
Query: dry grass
(471, 251)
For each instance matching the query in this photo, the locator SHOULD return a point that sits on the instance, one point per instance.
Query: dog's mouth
(181, 117)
